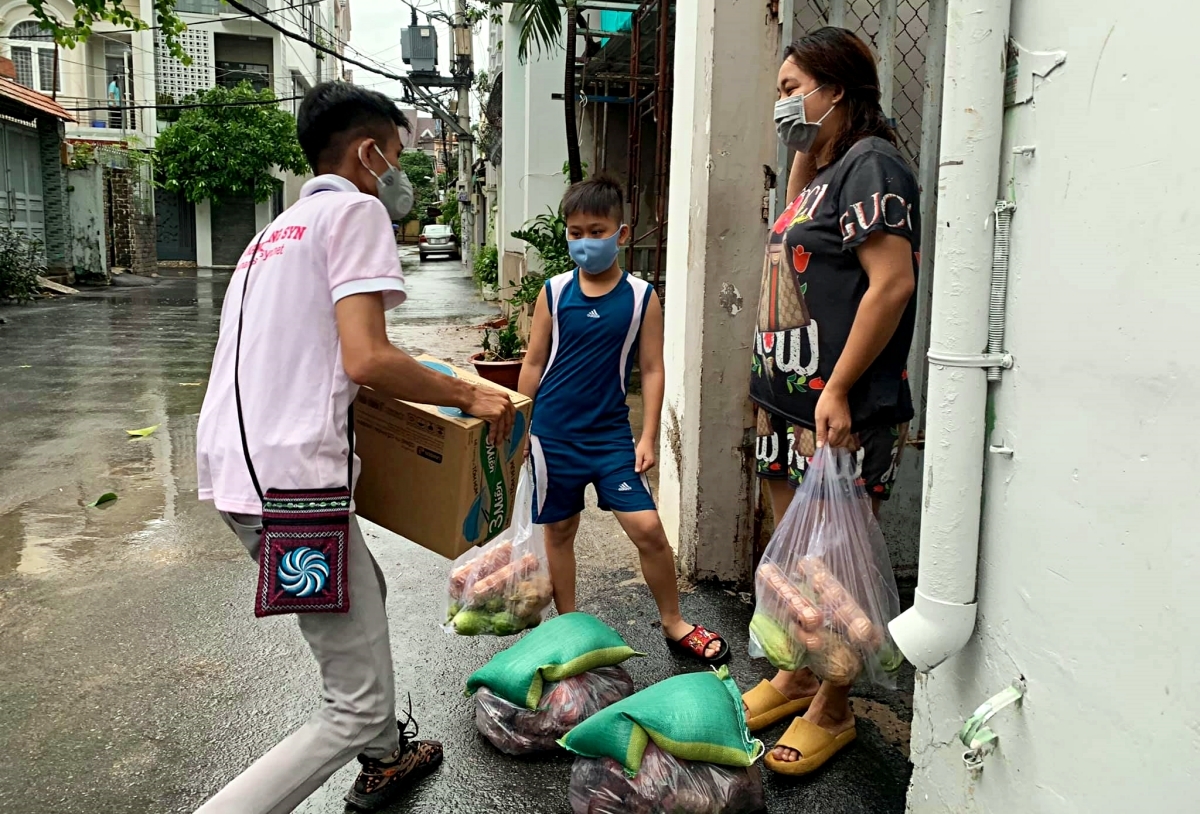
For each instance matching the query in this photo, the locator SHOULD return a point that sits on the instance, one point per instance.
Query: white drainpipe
(942, 618)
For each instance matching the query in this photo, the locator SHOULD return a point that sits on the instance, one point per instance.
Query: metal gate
(21, 204)
(233, 227)
(909, 41)
(176, 215)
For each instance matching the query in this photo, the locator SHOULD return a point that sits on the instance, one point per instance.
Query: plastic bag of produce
(516, 730)
(665, 785)
(695, 716)
(564, 646)
(504, 587)
(825, 588)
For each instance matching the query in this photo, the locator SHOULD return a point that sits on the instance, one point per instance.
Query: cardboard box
(429, 473)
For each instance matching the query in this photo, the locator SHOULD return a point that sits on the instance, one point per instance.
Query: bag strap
(237, 388)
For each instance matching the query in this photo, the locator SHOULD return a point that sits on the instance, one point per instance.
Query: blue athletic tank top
(594, 342)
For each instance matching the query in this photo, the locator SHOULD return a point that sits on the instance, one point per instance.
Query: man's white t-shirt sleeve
(362, 254)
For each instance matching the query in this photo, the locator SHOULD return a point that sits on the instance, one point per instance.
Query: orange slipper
(768, 706)
(814, 744)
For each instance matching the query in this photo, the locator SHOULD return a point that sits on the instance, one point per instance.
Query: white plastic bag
(503, 587)
(825, 589)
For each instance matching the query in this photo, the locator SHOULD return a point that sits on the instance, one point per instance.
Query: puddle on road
(89, 368)
(154, 480)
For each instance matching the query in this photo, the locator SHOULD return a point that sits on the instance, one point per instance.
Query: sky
(375, 27)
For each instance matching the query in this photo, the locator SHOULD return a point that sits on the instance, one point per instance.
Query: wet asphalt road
(133, 675)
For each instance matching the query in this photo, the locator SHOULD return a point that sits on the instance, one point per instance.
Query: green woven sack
(559, 648)
(697, 716)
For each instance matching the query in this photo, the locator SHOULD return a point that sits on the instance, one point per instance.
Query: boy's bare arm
(537, 354)
(654, 381)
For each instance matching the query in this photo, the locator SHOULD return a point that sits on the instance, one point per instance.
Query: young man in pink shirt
(312, 330)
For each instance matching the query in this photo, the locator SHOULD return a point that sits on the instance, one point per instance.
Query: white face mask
(393, 187)
(792, 125)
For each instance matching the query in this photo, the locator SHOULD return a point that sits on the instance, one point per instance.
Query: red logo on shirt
(800, 259)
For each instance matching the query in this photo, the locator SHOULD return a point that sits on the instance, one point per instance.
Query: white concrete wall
(545, 141)
(531, 180)
(721, 136)
(512, 158)
(1089, 557)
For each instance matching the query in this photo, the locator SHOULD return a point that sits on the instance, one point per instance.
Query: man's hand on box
(493, 406)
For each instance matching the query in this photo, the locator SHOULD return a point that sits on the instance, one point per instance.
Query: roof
(12, 94)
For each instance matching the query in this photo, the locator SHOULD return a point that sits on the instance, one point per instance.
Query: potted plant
(487, 272)
(503, 350)
(500, 360)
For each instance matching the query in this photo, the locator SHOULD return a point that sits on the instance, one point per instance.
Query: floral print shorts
(783, 451)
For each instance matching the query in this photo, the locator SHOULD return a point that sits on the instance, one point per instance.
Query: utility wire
(186, 105)
(416, 90)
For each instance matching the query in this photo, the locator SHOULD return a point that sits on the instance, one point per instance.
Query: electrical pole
(464, 67)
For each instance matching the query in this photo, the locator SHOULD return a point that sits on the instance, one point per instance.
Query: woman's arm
(654, 382)
(887, 260)
(804, 169)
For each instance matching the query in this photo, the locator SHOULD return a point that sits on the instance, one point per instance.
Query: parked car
(438, 238)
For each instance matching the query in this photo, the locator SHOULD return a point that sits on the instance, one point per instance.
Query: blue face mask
(595, 255)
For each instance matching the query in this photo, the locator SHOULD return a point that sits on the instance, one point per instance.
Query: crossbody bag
(302, 557)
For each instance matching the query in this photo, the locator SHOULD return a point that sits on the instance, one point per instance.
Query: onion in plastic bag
(515, 730)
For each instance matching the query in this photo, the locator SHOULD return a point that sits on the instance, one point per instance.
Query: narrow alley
(136, 677)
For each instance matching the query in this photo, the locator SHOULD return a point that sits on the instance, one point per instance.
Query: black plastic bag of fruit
(515, 730)
(664, 785)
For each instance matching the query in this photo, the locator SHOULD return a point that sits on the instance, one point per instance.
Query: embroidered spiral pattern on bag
(303, 572)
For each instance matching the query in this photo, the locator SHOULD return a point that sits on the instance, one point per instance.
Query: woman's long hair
(836, 58)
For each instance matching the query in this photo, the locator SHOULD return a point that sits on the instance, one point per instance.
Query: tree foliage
(224, 152)
(70, 33)
(418, 166)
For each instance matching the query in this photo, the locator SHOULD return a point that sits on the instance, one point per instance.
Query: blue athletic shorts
(563, 469)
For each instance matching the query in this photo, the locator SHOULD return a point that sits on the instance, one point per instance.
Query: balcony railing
(216, 7)
(108, 117)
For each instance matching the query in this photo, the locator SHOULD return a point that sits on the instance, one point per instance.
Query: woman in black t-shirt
(835, 322)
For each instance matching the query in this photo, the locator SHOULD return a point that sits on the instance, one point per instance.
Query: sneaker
(382, 782)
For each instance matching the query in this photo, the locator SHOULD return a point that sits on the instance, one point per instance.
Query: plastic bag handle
(522, 516)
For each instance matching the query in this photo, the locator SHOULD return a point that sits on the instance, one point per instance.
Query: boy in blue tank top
(589, 327)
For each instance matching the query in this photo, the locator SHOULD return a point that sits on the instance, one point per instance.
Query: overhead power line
(435, 106)
(185, 105)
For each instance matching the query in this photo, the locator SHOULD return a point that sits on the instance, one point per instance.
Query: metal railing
(109, 116)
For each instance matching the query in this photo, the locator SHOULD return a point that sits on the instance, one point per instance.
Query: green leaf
(144, 432)
(540, 24)
(103, 500)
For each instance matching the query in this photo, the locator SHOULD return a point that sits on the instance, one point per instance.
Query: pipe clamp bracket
(977, 360)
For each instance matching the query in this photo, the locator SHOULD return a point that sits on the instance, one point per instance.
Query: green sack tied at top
(562, 647)
(696, 716)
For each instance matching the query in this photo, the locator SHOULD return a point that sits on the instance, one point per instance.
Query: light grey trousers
(358, 711)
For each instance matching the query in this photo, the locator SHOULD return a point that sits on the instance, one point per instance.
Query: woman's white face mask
(792, 125)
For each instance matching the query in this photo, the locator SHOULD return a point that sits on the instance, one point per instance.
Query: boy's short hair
(599, 195)
(335, 113)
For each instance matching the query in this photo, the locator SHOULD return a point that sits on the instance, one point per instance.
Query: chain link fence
(908, 43)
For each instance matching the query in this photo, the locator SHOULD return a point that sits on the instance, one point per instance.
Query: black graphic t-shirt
(813, 282)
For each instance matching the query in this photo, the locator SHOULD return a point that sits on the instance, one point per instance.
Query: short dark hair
(335, 113)
(599, 195)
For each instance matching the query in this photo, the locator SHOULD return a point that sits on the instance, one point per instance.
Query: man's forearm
(394, 373)
(654, 385)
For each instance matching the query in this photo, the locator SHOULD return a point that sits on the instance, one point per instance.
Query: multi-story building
(113, 81)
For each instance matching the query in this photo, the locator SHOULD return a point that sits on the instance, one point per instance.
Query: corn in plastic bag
(503, 587)
(825, 589)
